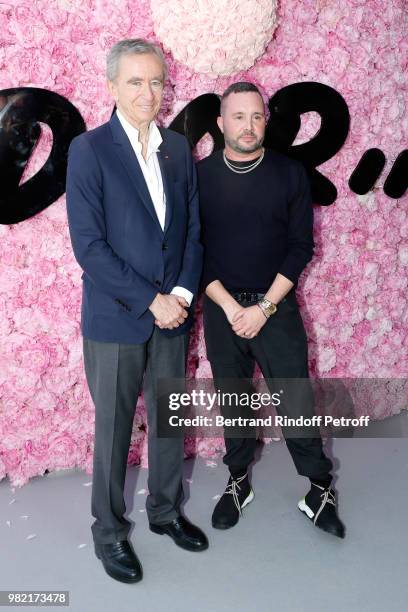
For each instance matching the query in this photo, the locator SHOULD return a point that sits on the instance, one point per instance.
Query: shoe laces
(327, 497)
(233, 489)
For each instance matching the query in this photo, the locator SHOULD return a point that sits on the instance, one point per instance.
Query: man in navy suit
(133, 217)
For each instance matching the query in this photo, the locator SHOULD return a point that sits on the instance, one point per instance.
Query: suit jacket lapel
(131, 164)
(167, 175)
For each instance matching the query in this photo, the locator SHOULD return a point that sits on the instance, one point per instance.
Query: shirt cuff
(185, 293)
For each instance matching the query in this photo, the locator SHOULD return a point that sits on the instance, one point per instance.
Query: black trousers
(280, 349)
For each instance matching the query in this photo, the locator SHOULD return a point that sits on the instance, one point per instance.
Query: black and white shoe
(236, 496)
(320, 506)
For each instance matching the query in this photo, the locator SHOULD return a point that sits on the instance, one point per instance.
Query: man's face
(243, 121)
(138, 87)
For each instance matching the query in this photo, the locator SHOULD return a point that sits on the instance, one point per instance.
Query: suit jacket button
(158, 283)
(164, 246)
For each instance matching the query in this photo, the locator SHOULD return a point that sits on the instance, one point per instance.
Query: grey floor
(273, 559)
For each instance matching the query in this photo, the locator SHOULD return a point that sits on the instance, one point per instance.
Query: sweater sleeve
(208, 275)
(300, 227)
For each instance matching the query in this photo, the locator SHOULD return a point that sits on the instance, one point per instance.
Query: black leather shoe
(319, 505)
(120, 561)
(185, 534)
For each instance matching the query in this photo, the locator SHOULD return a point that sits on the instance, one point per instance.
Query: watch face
(268, 307)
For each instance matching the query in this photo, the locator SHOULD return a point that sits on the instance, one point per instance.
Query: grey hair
(128, 47)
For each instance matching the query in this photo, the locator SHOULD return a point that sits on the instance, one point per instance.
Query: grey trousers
(115, 374)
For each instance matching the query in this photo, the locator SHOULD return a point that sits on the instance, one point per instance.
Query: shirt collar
(154, 137)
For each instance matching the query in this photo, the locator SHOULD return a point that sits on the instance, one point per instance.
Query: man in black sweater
(257, 231)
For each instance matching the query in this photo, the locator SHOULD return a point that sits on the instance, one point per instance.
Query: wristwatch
(267, 307)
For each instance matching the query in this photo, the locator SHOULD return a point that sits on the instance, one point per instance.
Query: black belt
(247, 296)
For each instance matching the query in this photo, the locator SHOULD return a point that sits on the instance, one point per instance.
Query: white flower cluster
(215, 37)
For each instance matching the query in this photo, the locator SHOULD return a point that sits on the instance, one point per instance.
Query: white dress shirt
(152, 174)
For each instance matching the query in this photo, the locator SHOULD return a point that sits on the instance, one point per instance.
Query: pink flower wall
(353, 294)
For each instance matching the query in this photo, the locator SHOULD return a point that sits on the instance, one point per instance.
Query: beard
(242, 147)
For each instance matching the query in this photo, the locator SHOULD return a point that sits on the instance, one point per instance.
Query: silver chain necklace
(243, 169)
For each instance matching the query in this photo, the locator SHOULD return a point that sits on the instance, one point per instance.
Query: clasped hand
(169, 310)
(246, 322)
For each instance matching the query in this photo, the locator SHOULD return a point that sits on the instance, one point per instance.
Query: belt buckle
(247, 296)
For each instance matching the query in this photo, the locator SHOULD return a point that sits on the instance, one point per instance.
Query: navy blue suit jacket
(116, 236)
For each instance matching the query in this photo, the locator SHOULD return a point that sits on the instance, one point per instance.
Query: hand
(182, 300)
(248, 322)
(168, 311)
(232, 309)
